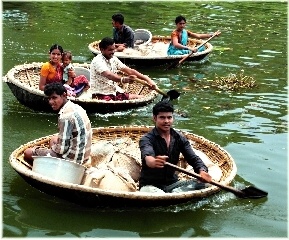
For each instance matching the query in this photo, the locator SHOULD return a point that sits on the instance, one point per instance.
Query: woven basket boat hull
(23, 82)
(154, 54)
(95, 197)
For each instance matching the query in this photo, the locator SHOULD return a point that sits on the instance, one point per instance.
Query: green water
(250, 124)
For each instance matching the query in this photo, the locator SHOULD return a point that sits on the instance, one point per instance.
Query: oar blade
(253, 192)
(173, 94)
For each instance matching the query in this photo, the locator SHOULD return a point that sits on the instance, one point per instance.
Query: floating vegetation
(233, 82)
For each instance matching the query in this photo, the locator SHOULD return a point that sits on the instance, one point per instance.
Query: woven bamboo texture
(127, 156)
(28, 75)
(23, 82)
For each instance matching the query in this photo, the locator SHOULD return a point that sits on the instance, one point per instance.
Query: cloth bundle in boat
(111, 167)
(110, 178)
(128, 156)
(132, 167)
(101, 154)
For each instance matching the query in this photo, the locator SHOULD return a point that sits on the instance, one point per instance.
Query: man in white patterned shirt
(73, 141)
(104, 78)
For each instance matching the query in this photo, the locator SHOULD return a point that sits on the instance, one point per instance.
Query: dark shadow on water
(58, 218)
(30, 209)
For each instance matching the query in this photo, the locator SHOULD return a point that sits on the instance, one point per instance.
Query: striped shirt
(75, 134)
(100, 84)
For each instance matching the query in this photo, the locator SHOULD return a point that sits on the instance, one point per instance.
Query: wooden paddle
(178, 63)
(248, 192)
(172, 94)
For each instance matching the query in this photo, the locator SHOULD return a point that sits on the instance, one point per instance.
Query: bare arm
(133, 72)
(202, 35)
(130, 79)
(205, 176)
(42, 83)
(71, 73)
(176, 43)
(119, 47)
(156, 162)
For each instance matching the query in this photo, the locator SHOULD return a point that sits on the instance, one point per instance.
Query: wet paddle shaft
(172, 94)
(248, 192)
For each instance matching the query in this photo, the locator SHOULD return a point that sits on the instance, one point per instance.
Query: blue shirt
(125, 35)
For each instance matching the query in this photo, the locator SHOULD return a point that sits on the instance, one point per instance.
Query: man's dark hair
(163, 106)
(56, 88)
(179, 19)
(118, 17)
(105, 42)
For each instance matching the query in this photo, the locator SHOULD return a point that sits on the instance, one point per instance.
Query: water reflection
(76, 221)
(70, 220)
(16, 15)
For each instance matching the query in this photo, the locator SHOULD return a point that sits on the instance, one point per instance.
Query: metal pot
(58, 169)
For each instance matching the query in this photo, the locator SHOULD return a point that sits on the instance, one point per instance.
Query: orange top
(51, 74)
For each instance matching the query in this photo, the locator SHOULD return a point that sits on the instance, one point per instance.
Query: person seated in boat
(179, 38)
(104, 78)
(52, 71)
(73, 141)
(162, 144)
(74, 85)
(123, 35)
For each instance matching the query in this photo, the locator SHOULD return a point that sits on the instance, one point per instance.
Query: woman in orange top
(52, 71)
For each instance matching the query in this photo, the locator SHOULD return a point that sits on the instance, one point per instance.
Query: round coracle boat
(112, 172)
(155, 52)
(23, 82)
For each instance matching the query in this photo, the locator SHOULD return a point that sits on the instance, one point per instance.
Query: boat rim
(9, 77)
(19, 167)
(168, 57)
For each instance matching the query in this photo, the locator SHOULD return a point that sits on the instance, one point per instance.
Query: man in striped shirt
(73, 141)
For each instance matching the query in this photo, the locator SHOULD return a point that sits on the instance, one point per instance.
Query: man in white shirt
(104, 78)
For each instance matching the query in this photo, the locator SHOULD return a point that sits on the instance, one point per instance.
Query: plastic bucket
(58, 169)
